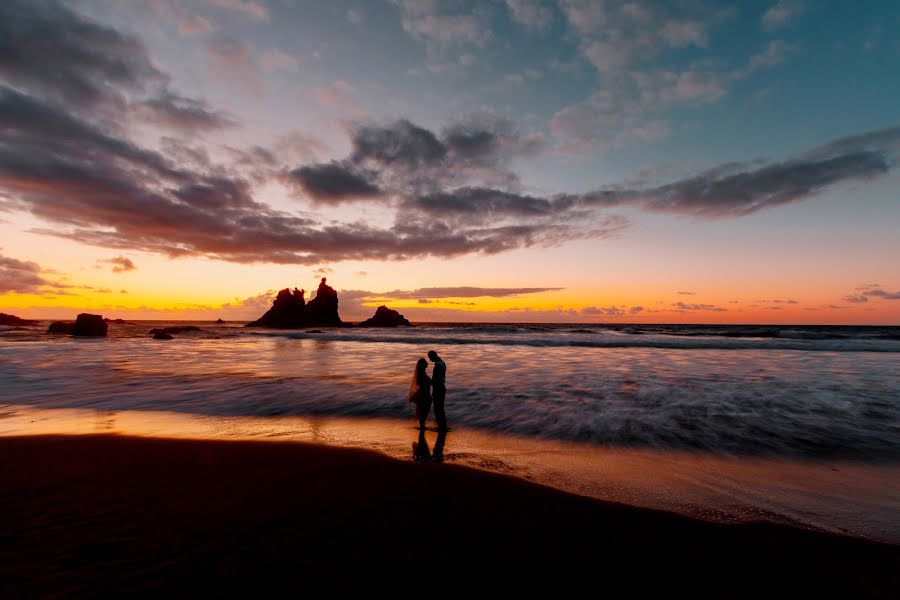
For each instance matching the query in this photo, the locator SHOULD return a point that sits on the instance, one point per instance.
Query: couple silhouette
(425, 390)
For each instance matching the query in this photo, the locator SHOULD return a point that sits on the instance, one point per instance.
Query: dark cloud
(478, 205)
(400, 143)
(181, 113)
(450, 193)
(738, 189)
(410, 158)
(120, 264)
(877, 293)
(19, 276)
(872, 290)
(49, 49)
(691, 307)
(607, 311)
(463, 292)
(333, 182)
(635, 310)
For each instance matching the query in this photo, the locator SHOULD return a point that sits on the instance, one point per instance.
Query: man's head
(432, 355)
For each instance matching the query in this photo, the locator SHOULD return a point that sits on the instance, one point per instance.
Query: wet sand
(109, 514)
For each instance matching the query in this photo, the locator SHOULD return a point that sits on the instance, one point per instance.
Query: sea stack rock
(162, 335)
(386, 317)
(322, 311)
(175, 329)
(288, 311)
(219, 321)
(6, 319)
(291, 311)
(60, 327)
(89, 326)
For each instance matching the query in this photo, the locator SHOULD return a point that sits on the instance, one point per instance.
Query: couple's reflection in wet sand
(421, 452)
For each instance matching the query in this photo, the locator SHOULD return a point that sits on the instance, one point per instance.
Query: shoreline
(842, 497)
(90, 514)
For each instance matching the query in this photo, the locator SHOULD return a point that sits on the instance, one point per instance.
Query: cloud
(635, 310)
(444, 22)
(120, 264)
(780, 14)
(276, 60)
(477, 148)
(686, 293)
(254, 10)
(608, 311)
(195, 25)
(169, 109)
(232, 60)
(462, 292)
(333, 182)
(627, 44)
(534, 15)
(443, 193)
(737, 189)
(337, 97)
(872, 290)
(20, 277)
(681, 306)
(77, 62)
(773, 54)
(106, 191)
(615, 37)
(355, 16)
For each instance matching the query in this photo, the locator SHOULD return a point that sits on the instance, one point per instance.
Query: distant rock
(61, 327)
(117, 321)
(174, 329)
(386, 317)
(323, 309)
(291, 311)
(87, 325)
(288, 311)
(6, 319)
(219, 321)
(162, 335)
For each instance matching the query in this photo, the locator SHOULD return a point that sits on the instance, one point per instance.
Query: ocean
(749, 421)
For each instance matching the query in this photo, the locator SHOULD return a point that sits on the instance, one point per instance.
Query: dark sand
(99, 515)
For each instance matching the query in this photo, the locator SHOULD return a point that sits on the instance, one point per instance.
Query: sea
(791, 424)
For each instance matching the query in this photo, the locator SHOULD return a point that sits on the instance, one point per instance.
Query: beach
(105, 514)
(694, 461)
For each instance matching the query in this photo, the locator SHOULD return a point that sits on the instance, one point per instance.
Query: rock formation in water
(60, 327)
(85, 325)
(219, 321)
(174, 329)
(6, 319)
(291, 311)
(162, 335)
(88, 325)
(386, 317)
(322, 311)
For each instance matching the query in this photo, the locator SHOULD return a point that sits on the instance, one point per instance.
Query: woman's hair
(421, 365)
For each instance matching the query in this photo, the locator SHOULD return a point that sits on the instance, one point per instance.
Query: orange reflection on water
(849, 497)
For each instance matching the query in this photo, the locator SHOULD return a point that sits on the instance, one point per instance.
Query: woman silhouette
(419, 393)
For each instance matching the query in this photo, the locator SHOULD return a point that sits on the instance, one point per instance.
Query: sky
(521, 160)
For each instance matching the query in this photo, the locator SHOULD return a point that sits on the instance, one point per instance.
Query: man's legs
(439, 392)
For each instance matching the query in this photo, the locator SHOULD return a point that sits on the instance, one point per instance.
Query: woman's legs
(423, 407)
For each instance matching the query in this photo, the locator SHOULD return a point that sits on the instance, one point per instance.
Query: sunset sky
(517, 160)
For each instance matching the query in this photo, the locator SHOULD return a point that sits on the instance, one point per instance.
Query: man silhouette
(438, 389)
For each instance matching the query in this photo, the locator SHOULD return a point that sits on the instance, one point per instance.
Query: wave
(436, 337)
